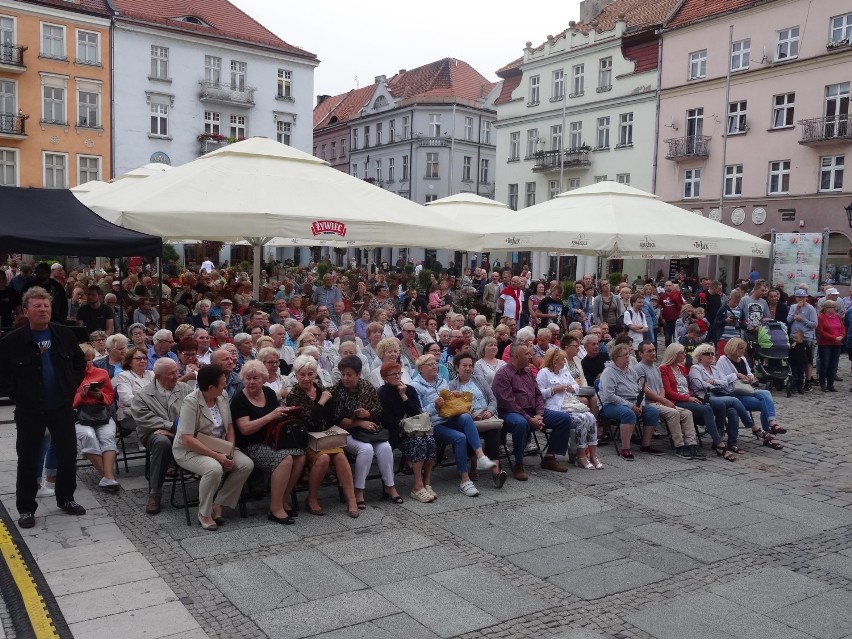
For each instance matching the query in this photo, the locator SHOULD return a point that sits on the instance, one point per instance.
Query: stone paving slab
(774, 532)
(489, 593)
(554, 560)
(570, 508)
(835, 562)
(253, 587)
(655, 556)
(312, 574)
(229, 541)
(608, 579)
(164, 620)
(770, 589)
(688, 543)
(406, 565)
(828, 615)
(728, 517)
(373, 546)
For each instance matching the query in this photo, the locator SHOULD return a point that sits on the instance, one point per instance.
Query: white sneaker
(467, 488)
(484, 463)
(109, 485)
(46, 491)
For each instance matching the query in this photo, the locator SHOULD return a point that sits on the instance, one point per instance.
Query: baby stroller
(771, 353)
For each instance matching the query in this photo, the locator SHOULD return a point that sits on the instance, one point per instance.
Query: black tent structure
(48, 221)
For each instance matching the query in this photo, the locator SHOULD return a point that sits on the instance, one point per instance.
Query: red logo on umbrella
(328, 227)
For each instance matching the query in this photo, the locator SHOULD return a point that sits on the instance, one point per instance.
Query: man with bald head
(226, 357)
(155, 410)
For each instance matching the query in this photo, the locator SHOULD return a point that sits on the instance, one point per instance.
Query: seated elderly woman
(706, 378)
(116, 346)
(526, 336)
(459, 431)
(133, 378)
(388, 350)
(98, 341)
(95, 429)
(488, 363)
(206, 411)
(245, 348)
(312, 398)
(201, 317)
(355, 407)
(219, 334)
(280, 384)
(255, 409)
(138, 336)
(187, 352)
(483, 410)
(619, 390)
(400, 400)
(349, 348)
(559, 389)
(324, 377)
(571, 348)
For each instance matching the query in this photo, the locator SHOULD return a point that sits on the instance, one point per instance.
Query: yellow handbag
(455, 403)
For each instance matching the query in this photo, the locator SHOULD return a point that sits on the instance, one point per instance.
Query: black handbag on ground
(287, 434)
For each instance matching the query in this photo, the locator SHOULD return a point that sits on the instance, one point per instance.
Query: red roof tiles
(225, 20)
(696, 10)
(341, 108)
(97, 7)
(445, 78)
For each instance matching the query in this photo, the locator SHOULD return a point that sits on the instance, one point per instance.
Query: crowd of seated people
(366, 353)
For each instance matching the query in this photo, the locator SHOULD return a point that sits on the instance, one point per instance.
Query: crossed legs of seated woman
(319, 464)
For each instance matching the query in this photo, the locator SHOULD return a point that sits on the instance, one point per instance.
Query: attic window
(333, 119)
(380, 102)
(192, 20)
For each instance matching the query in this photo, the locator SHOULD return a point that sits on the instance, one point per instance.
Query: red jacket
(671, 303)
(95, 375)
(670, 383)
(828, 328)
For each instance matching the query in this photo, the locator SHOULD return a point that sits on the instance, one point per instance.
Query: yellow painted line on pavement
(36, 610)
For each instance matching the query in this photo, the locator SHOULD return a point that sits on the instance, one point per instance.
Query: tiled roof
(510, 83)
(695, 10)
(445, 78)
(98, 7)
(342, 106)
(225, 20)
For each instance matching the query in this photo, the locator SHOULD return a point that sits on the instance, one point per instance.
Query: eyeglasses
(397, 374)
(139, 359)
(189, 354)
(408, 330)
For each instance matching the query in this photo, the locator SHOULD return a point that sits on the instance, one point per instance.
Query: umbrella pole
(255, 271)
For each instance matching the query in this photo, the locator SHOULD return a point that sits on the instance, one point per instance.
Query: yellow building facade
(55, 93)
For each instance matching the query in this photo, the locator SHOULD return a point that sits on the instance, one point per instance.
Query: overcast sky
(379, 38)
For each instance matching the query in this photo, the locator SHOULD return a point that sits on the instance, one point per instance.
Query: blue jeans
(703, 414)
(460, 432)
(732, 408)
(47, 458)
(624, 415)
(763, 402)
(558, 423)
(829, 358)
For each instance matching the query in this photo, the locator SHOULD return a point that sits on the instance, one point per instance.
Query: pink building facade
(754, 122)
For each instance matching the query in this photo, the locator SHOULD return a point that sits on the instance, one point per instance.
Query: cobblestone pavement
(660, 547)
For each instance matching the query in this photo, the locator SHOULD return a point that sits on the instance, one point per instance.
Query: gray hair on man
(115, 340)
(162, 335)
(162, 364)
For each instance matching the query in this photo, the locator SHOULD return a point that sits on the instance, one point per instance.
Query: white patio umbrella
(469, 206)
(608, 218)
(88, 187)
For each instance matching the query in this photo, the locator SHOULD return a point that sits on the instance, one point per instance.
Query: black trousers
(31, 427)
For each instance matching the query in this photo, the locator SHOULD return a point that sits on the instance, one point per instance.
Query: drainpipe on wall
(452, 152)
(113, 14)
(725, 136)
(657, 119)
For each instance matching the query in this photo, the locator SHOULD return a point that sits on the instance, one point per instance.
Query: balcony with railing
(692, 146)
(830, 130)
(224, 93)
(12, 58)
(569, 159)
(13, 126)
(433, 141)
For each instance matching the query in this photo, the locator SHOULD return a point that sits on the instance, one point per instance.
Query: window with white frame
(557, 91)
(88, 168)
(283, 131)
(779, 177)
(366, 168)
(576, 131)
(483, 171)
(513, 197)
(213, 70)
(530, 194)
(532, 142)
(379, 173)
(691, 183)
(556, 137)
(573, 183)
(406, 128)
(354, 169)
(88, 109)
(737, 117)
(468, 129)
(53, 41)
(334, 150)
(432, 165)
(159, 62)
(733, 180)
(366, 137)
(623, 178)
(600, 178)
(160, 120)
(8, 167)
(213, 122)
(535, 82)
(238, 75)
(578, 79)
(625, 129)
(88, 47)
(552, 189)
(467, 163)
(841, 28)
(7, 37)
(55, 171)
(53, 92)
(787, 46)
(285, 83)
(783, 110)
(831, 173)
(515, 145)
(239, 129)
(485, 133)
(391, 130)
(322, 152)
(740, 54)
(8, 103)
(697, 64)
(434, 125)
(379, 133)
(405, 167)
(391, 170)
(342, 147)
(431, 198)
(605, 74)
(354, 139)
(603, 133)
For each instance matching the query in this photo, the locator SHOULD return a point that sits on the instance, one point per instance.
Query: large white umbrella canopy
(262, 189)
(474, 209)
(608, 218)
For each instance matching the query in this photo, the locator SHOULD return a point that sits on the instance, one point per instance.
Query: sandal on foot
(777, 430)
(723, 452)
(362, 505)
(735, 449)
(354, 513)
(771, 442)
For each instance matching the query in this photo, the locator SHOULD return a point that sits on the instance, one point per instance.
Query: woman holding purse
(255, 409)
(205, 412)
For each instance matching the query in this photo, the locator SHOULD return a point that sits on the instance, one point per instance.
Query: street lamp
(849, 214)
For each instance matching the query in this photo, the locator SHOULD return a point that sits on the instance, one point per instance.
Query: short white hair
(116, 340)
(526, 333)
(304, 361)
(162, 335)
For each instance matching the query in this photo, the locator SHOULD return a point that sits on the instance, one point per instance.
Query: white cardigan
(547, 379)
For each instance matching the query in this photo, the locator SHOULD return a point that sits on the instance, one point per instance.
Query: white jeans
(364, 454)
(96, 440)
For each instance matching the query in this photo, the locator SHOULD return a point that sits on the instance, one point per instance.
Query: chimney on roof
(591, 9)
(401, 71)
(381, 79)
(322, 98)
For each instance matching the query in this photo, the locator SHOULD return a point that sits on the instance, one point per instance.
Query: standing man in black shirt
(94, 315)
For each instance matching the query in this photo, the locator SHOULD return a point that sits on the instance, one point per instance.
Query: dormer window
(192, 20)
(380, 102)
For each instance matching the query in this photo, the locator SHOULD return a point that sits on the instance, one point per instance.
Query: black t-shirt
(10, 299)
(551, 306)
(94, 319)
(242, 407)
(594, 366)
